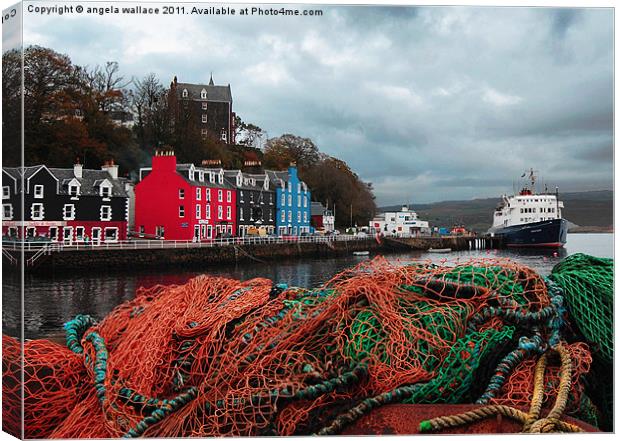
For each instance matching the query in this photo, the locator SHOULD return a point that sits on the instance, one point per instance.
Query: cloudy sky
(427, 103)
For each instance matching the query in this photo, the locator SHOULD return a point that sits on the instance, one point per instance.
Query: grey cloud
(428, 103)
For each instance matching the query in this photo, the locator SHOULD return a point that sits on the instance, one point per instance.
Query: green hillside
(585, 209)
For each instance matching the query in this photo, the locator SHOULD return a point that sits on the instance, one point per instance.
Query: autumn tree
(281, 151)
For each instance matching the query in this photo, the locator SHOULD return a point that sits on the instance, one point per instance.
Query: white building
(396, 223)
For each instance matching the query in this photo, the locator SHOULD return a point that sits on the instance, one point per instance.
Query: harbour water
(49, 301)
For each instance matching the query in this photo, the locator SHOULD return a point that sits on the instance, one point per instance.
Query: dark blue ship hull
(548, 233)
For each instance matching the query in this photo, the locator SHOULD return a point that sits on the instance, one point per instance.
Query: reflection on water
(50, 301)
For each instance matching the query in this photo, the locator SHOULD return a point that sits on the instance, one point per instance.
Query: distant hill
(584, 209)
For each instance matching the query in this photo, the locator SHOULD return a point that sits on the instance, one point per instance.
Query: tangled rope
(532, 422)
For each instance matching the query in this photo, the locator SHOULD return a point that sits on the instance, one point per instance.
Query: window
(228, 213)
(290, 200)
(181, 211)
(7, 211)
(105, 192)
(184, 93)
(181, 193)
(204, 106)
(208, 194)
(305, 216)
(299, 200)
(305, 201)
(204, 132)
(290, 216)
(240, 213)
(197, 211)
(106, 213)
(283, 200)
(198, 193)
(283, 216)
(191, 175)
(299, 216)
(203, 95)
(223, 136)
(159, 231)
(211, 177)
(229, 196)
(220, 212)
(38, 192)
(241, 196)
(68, 212)
(219, 196)
(141, 229)
(74, 190)
(204, 118)
(221, 178)
(299, 188)
(111, 234)
(201, 176)
(79, 233)
(6, 192)
(290, 186)
(208, 211)
(36, 211)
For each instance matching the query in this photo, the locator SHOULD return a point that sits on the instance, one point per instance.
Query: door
(53, 234)
(196, 233)
(96, 233)
(67, 234)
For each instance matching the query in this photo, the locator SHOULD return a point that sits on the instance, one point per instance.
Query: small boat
(361, 253)
(439, 250)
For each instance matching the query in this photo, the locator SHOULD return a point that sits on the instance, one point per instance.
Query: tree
(280, 152)
(65, 111)
(248, 134)
(106, 87)
(332, 182)
(149, 103)
(11, 108)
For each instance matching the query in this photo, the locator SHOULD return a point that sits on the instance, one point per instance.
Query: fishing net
(588, 286)
(217, 356)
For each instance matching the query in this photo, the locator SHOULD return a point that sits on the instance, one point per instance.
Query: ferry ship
(529, 219)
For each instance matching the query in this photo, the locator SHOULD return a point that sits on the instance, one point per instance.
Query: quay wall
(195, 257)
(200, 257)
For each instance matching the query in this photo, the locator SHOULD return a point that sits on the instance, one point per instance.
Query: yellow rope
(531, 421)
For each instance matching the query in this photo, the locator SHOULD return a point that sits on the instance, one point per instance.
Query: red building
(183, 202)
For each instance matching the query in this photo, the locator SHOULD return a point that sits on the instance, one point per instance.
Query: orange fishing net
(217, 356)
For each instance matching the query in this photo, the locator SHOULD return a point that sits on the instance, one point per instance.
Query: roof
(89, 181)
(214, 93)
(231, 177)
(317, 209)
(277, 176)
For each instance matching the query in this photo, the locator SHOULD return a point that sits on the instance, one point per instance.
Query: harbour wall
(200, 257)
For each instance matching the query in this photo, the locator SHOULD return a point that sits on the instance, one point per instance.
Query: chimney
(77, 169)
(164, 161)
(111, 168)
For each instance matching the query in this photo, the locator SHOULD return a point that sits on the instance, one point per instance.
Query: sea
(51, 300)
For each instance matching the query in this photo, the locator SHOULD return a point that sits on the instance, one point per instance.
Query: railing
(9, 256)
(136, 244)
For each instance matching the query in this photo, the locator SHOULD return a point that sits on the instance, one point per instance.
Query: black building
(256, 203)
(65, 205)
(206, 106)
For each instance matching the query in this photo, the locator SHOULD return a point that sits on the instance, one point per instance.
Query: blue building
(292, 202)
